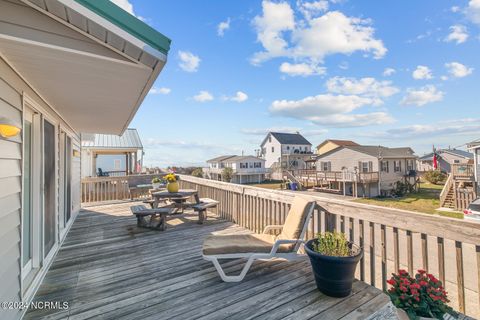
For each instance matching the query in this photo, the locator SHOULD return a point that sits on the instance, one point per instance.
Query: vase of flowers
(419, 297)
(156, 183)
(172, 182)
(334, 260)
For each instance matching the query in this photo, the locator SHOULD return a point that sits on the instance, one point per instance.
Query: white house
(285, 150)
(66, 67)
(474, 146)
(112, 155)
(373, 170)
(246, 169)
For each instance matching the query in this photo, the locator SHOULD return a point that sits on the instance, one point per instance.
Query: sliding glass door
(27, 212)
(49, 185)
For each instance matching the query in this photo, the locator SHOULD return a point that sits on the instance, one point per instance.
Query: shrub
(197, 172)
(227, 174)
(435, 176)
(402, 188)
(332, 244)
(421, 296)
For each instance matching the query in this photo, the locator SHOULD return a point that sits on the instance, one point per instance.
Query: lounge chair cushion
(295, 220)
(240, 243)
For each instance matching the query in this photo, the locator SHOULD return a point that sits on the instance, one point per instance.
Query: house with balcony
(285, 151)
(365, 171)
(66, 68)
(111, 155)
(474, 147)
(246, 169)
(445, 159)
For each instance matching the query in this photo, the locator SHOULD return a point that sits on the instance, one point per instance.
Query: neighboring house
(112, 154)
(445, 159)
(474, 146)
(246, 169)
(368, 170)
(330, 144)
(285, 151)
(66, 67)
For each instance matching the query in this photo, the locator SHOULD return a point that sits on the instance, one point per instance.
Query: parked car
(473, 211)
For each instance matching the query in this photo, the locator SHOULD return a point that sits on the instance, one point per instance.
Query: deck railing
(466, 171)
(312, 174)
(114, 188)
(392, 238)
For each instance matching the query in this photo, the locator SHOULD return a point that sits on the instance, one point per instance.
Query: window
(410, 165)
(288, 147)
(325, 166)
(397, 166)
(243, 165)
(364, 166)
(250, 165)
(456, 161)
(384, 166)
(273, 149)
(257, 164)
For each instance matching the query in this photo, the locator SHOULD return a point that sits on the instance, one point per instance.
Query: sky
(396, 73)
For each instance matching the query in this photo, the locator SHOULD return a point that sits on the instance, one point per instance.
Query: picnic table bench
(202, 206)
(158, 216)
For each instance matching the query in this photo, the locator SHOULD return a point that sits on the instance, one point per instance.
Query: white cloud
(388, 72)
(355, 120)
(422, 96)
(264, 131)
(309, 9)
(330, 110)
(473, 11)
(458, 33)
(455, 9)
(188, 61)
(458, 70)
(276, 18)
(422, 72)
(444, 78)
(222, 27)
(424, 131)
(125, 5)
(238, 97)
(369, 87)
(301, 69)
(162, 90)
(203, 96)
(312, 39)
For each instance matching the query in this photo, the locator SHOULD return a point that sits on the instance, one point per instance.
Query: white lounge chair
(261, 246)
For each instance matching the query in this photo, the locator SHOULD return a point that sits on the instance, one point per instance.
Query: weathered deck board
(109, 268)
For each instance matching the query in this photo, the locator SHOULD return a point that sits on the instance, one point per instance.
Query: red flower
(391, 282)
(402, 272)
(404, 289)
(421, 271)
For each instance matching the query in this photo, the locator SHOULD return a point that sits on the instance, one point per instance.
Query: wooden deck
(108, 268)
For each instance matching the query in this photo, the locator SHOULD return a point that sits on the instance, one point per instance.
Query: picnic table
(179, 201)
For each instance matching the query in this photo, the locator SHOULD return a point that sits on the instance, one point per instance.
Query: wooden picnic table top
(180, 194)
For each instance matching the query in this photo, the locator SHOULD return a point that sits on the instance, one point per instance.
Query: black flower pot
(334, 275)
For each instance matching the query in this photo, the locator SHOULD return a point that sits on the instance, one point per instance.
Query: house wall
(12, 91)
(346, 158)
(271, 156)
(388, 179)
(329, 146)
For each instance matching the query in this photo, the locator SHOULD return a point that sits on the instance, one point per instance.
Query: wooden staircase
(447, 196)
(287, 174)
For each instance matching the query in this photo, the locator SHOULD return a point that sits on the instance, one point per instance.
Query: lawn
(426, 200)
(268, 185)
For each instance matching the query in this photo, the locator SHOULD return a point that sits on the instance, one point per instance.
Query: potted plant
(156, 183)
(172, 182)
(334, 260)
(419, 297)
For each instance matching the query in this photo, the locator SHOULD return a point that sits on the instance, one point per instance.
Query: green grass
(426, 200)
(267, 185)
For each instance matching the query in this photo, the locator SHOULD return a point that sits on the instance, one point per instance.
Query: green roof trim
(129, 23)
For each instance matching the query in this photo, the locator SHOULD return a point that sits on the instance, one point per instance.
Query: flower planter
(333, 275)
(156, 185)
(173, 187)
(402, 315)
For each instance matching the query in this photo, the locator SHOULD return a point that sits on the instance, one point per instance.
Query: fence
(392, 238)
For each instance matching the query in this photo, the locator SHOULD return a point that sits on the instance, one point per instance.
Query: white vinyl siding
(11, 106)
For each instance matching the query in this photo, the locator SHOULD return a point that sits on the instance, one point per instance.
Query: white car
(473, 211)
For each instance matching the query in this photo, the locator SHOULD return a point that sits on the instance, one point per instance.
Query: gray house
(66, 67)
(446, 158)
(367, 170)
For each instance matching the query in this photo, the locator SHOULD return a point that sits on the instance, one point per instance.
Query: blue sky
(402, 74)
